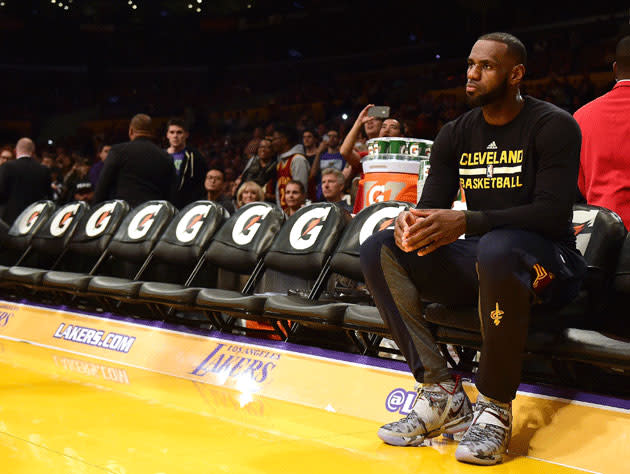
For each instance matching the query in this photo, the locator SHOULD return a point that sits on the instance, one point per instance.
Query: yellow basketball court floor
(82, 394)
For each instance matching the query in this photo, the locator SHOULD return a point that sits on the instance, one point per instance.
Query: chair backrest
(28, 223)
(53, 237)
(374, 218)
(622, 272)
(140, 230)
(306, 241)
(189, 232)
(599, 234)
(245, 237)
(97, 227)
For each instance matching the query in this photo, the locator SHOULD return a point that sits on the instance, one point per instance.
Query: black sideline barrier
(110, 258)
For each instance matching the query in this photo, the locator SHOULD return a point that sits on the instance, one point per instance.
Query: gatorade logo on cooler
(414, 149)
(142, 221)
(248, 223)
(190, 223)
(307, 228)
(99, 220)
(381, 192)
(61, 222)
(29, 220)
(380, 220)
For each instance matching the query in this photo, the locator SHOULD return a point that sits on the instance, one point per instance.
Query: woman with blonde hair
(250, 191)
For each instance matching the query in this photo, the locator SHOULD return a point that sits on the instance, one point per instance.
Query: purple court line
(549, 391)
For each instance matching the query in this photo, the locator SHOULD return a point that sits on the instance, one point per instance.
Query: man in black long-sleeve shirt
(517, 160)
(137, 171)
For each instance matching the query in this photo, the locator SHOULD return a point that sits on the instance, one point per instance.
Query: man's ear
(132, 133)
(615, 70)
(517, 73)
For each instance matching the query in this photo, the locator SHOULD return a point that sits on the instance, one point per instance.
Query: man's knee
(370, 250)
(497, 253)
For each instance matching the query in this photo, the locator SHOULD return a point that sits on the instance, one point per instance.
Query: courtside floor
(91, 394)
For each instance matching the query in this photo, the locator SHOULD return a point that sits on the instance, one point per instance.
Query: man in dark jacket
(190, 165)
(137, 171)
(22, 181)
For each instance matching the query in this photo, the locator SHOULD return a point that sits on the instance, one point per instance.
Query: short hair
(260, 195)
(287, 131)
(177, 122)
(299, 184)
(216, 168)
(142, 123)
(622, 55)
(338, 174)
(312, 132)
(515, 46)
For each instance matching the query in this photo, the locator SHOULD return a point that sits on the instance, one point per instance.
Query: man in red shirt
(604, 179)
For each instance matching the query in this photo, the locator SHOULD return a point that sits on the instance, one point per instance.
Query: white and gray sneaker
(487, 439)
(438, 409)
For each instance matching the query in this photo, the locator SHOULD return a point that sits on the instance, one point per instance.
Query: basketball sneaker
(438, 409)
(487, 439)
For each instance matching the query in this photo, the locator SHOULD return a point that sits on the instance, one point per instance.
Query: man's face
(48, 162)
(487, 76)
(265, 151)
(104, 152)
(278, 142)
(331, 188)
(214, 180)
(333, 139)
(292, 195)
(390, 128)
(176, 136)
(308, 139)
(5, 156)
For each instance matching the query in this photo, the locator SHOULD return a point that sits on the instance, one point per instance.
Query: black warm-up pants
(504, 272)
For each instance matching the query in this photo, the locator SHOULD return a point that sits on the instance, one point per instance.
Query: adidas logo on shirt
(492, 146)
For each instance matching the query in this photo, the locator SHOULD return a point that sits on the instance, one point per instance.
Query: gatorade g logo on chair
(190, 223)
(63, 218)
(583, 227)
(306, 229)
(98, 221)
(380, 220)
(142, 221)
(248, 223)
(25, 225)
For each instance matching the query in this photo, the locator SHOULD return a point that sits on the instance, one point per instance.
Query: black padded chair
(600, 234)
(175, 256)
(238, 246)
(302, 247)
(17, 242)
(87, 249)
(127, 252)
(318, 311)
(49, 246)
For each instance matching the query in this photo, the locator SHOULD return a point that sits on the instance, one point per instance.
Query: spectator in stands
(292, 163)
(96, 168)
(250, 191)
(333, 184)
(77, 174)
(190, 165)
(252, 145)
(6, 154)
(295, 197)
(310, 143)
(604, 178)
(391, 128)
(370, 126)
(261, 169)
(83, 191)
(519, 250)
(64, 161)
(137, 171)
(22, 181)
(214, 183)
(328, 156)
(47, 160)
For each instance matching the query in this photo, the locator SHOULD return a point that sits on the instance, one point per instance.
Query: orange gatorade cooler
(391, 169)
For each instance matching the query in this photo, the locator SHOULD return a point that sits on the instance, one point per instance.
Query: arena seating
(318, 241)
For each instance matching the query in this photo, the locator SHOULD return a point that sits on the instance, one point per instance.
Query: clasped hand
(428, 229)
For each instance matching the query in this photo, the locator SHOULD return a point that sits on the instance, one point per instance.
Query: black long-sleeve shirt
(520, 175)
(137, 172)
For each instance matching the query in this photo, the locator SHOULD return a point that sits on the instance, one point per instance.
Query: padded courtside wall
(583, 431)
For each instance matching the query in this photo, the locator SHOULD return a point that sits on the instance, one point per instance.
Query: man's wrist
(476, 222)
